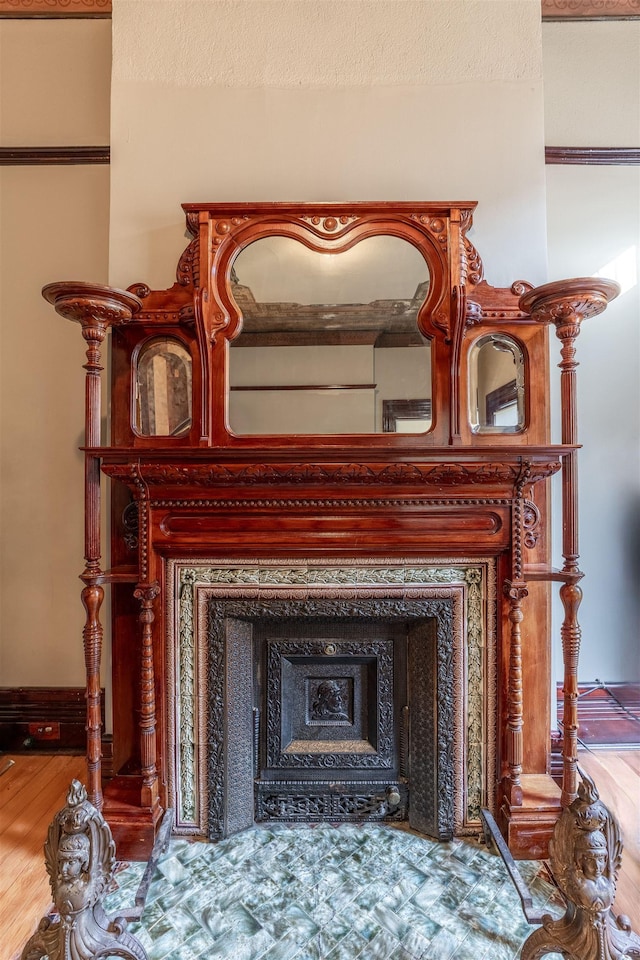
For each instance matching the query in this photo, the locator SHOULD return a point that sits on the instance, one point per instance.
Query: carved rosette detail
(436, 226)
(329, 224)
(140, 290)
(224, 228)
(520, 287)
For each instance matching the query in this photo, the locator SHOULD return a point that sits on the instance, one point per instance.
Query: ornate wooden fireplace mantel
(330, 385)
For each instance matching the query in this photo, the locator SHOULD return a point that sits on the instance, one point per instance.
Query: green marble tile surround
(332, 893)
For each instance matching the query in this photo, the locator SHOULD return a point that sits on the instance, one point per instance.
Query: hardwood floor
(31, 792)
(617, 777)
(35, 788)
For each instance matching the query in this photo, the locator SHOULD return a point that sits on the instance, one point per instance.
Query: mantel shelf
(123, 574)
(329, 450)
(544, 574)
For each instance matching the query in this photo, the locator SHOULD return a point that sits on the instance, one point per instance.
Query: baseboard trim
(44, 719)
(608, 718)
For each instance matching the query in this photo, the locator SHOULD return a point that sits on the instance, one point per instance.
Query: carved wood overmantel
(249, 426)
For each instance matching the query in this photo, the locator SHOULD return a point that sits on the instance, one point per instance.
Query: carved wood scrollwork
(130, 526)
(530, 524)
(445, 474)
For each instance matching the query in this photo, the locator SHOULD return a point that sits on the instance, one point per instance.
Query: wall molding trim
(48, 156)
(590, 9)
(593, 156)
(551, 9)
(55, 8)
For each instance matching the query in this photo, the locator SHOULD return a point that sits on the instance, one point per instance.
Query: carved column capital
(91, 304)
(95, 307)
(566, 303)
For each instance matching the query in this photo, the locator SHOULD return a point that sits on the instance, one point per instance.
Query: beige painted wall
(54, 225)
(326, 99)
(592, 97)
(201, 112)
(54, 82)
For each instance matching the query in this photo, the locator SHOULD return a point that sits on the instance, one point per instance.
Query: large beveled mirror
(329, 342)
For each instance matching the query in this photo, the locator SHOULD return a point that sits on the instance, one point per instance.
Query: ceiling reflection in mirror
(329, 339)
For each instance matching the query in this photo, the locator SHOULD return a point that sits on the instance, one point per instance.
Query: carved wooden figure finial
(80, 859)
(585, 854)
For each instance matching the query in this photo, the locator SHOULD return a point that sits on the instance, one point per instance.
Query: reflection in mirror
(327, 338)
(496, 388)
(163, 389)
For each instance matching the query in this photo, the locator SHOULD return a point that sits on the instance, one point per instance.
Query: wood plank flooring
(35, 788)
(31, 792)
(617, 777)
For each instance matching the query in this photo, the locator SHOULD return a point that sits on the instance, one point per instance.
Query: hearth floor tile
(367, 892)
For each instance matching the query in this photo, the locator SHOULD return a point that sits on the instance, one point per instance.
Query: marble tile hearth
(331, 893)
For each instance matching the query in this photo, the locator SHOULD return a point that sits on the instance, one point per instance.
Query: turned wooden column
(146, 594)
(95, 308)
(565, 304)
(515, 590)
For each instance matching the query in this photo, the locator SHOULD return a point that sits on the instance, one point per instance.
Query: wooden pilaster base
(133, 827)
(528, 827)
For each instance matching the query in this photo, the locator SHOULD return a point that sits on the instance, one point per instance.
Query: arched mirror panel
(162, 382)
(496, 385)
(329, 340)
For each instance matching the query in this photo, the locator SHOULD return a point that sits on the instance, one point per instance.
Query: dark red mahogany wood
(95, 308)
(452, 491)
(565, 304)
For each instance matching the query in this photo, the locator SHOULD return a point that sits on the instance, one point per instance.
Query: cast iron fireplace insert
(330, 710)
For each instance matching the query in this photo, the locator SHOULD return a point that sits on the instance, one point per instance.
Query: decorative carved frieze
(360, 474)
(590, 9)
(55, 8)
(329, 224)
